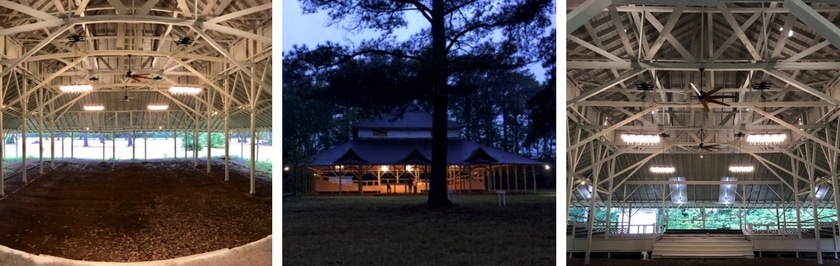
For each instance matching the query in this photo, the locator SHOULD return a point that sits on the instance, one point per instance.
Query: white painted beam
(711, 183)
(118, 6)
(583, 13)
(817, 22)
(801, 86)
(27, 10)
(796, 130)
(611, 128)
(697, 105)
(264, 85)
(240, 13)
(235, 32)
(830, 63)
(35, 49)
(627, 75)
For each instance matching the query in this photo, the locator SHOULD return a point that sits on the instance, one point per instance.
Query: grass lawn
(401, 230)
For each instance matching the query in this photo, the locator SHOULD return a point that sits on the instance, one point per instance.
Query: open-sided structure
(392, 154)
(704, 105)
(135, 66)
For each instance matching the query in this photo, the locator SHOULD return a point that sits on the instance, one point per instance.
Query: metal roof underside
(613, 46)
(229, 57)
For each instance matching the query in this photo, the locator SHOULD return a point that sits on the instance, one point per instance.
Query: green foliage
(10, 139)
(715, 218)
(188, 142)
(217, 140)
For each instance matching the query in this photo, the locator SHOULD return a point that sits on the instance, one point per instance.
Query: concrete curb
(256, 253)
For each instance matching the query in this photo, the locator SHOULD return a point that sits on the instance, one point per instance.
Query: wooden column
(40, 132)
(24, 117)
(359, 176)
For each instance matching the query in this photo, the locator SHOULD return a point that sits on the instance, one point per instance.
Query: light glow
(766, 139)
(94, 107)
(158, 107)
(409, 168)
(384, 168)
(741, 169)
(640, 139)
(184, 90)
(75, 88)
(662, 170)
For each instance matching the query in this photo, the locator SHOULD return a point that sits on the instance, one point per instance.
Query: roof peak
(404, 119)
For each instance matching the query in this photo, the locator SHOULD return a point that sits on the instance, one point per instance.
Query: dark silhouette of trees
(459, 39)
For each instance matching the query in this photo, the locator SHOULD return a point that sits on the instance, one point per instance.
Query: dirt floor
(132, 210)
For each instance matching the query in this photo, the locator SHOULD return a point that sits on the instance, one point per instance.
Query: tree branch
(397, 53)
(458, 7)
(460, 34)
(424, 10)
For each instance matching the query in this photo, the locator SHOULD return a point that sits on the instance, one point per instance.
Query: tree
(189, 143)
(459, 32)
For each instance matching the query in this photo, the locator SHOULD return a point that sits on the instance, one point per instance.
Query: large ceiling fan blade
(718, 102)
(715, 90)
(706, 106)
(696, 90)
(135, 79)
(722, 97)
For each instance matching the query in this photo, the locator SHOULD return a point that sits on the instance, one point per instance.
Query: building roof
(413, 151)
(409, 119)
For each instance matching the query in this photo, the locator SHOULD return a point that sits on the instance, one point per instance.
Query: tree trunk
(437, 189)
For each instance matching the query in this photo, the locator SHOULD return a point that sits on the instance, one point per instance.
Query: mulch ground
(132, 210)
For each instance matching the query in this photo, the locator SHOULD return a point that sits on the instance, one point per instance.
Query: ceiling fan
(711, 148)
(706, 97)
(125, 96)
(133, 76)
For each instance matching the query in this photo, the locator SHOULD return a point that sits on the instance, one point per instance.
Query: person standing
(388, 186)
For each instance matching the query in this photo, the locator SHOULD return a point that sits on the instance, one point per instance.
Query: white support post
(794, 167)
(175, 144)
(195, 141)
(133, 138)
(209, 140)
(114, 144)
(611, 170)
(24, 116)
(145, 145)
(596, 172)
(71, 144)
(40, 136)
(227, 142)
(253, 146)
(809, 169)
(52, 143)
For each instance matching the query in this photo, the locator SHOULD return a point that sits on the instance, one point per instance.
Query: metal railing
(616, 229)
(788, 229)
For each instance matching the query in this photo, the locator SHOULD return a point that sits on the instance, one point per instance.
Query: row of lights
(151, 107)
(178, 90)
(670, 170)
(757, 139)
(385, 168)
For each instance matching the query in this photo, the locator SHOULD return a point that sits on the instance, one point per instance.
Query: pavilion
(395, 151)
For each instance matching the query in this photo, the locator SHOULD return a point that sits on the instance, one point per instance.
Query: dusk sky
(313, 29)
